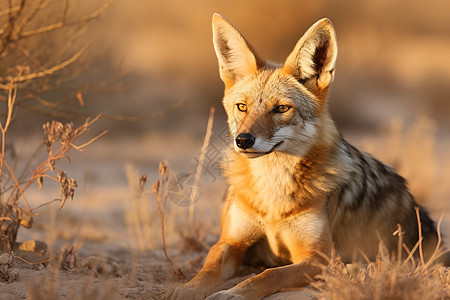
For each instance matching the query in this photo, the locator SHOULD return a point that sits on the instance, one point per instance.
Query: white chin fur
(252, 154)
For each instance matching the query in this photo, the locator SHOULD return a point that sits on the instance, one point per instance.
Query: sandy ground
(117, 236)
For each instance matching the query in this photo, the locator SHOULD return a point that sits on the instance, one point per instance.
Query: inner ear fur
(236, 57)
(313, 59)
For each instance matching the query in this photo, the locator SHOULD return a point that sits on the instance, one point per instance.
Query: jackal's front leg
(221, 263)
(308, 241)
(271, 281)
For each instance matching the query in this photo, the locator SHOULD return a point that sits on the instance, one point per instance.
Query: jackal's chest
(274, 188)
(277, 241)
(286, 241)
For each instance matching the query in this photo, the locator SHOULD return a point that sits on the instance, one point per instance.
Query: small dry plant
(142, 217)
(58, 139)
(142, 213)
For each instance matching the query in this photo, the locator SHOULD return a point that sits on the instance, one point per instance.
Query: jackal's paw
(188, 291)
(225, 295)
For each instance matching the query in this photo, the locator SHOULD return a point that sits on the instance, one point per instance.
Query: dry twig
(200, 165)
(160, 189)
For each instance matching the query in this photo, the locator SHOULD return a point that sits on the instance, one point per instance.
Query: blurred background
(145, 57)
(150, 69)
(393, 56)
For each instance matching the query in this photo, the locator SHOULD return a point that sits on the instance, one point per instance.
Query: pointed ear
(235, 57)
(313, 59)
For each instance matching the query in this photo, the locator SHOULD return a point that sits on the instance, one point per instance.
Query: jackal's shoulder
(371, 179)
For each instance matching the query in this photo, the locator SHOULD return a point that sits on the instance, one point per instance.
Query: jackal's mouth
(255, 154)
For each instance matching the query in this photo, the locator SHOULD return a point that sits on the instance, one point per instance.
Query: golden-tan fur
(295, 185)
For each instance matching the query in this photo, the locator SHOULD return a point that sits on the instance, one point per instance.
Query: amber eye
(242, 107)
(282, 109)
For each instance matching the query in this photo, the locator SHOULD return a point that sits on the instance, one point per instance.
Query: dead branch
(33, 263)
(63, 22)
(12, 94)
(81, 148)
(37, 8)
(49, 71)
(46, 103)
(8, 29)
(9, 11)
(46, 203)
(17, 184)
(24, 19)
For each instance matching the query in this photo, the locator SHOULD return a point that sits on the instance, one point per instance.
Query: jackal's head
(276, 108)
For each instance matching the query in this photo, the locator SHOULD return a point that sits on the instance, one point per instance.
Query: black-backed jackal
(295, 185)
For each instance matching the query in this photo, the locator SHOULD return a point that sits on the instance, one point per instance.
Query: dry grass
(388, 278)
(383, 279)
(141, 215)
(49, 288)
(145, 213)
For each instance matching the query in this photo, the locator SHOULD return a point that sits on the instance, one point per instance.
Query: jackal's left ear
(314, 57)
(235, 57)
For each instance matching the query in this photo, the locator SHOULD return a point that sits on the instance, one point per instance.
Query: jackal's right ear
(313, 59)
(235, 57)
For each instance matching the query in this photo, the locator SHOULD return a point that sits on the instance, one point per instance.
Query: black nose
(245, 140)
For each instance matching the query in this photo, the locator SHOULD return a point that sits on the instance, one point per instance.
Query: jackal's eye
(241, 107)
(281, 109)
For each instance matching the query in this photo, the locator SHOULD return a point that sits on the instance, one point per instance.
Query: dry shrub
(44, 47)
(59, 139)
(38, 40)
